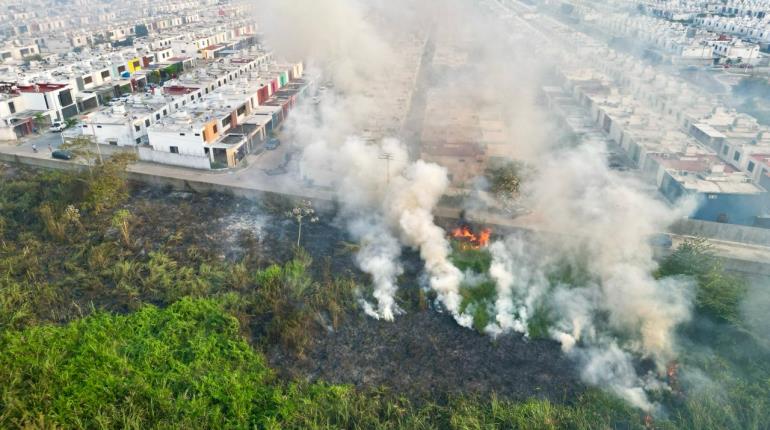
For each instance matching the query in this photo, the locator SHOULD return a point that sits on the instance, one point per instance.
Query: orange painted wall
(208, 132)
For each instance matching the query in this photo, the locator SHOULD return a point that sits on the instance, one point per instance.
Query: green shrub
(183, 367)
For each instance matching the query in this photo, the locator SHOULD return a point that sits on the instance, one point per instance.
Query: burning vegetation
(467, 238)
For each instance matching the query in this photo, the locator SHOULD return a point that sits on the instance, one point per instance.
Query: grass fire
(470, 239)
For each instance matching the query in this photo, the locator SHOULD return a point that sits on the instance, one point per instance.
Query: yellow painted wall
(134, 64)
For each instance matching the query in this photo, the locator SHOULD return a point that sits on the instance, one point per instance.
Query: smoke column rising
(595, 213)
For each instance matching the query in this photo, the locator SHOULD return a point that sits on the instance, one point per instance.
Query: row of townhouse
(682, 43)
(749, 28)
(654, 117)
(211, 117)
(106, 22)
(147, 109)
(752, 8)
(739, 141)
(690, 9)
(677, 163)
(659, 108)
(60, 92)
(93, 79)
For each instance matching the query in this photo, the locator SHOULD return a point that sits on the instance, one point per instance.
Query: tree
(83, 147)
(505, 179)
(41, 120)
(719, 293)
(154, 77)
(108, 187)
(299, 213)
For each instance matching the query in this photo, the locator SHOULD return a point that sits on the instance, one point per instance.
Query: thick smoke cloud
(595, 217)
(402, 202)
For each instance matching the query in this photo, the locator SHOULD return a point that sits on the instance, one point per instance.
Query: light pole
(388, 157)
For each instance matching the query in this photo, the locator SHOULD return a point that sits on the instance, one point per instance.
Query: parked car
(62, 154)
(58, 126)
(272, 144)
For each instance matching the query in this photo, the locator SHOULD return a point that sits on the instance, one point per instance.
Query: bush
(719, 293)
(183, 367)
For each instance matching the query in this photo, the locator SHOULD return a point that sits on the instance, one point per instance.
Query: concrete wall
(184, 160)
(719, 231)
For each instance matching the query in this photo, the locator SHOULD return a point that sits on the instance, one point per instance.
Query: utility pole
(388, 157)
(96, 143)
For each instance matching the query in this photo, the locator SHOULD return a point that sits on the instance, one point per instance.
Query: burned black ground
(427, 355)
(422, 353)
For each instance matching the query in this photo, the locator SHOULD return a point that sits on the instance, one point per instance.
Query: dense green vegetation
(733, 390)
(111, 319)
(186, 366)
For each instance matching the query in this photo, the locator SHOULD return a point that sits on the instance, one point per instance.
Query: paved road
(42, 141)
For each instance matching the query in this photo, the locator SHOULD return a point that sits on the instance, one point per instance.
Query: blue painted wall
(740, 209)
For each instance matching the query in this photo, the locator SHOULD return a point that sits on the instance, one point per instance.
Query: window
(215, 128)
(147, 123)
(65, 98)
(737, 156)
(174, 149)
(197, 134)
(181, 134)
(88, 79)
(98, 126)
(138, 140)
(751, 166)
(137, 127)
(157, 116)
(105, 74)
(11, 107)
(165, 112)
(725, 149)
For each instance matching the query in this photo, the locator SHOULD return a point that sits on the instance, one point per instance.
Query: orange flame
(469, 239)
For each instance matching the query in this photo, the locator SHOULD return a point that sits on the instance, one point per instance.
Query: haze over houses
(685, 142)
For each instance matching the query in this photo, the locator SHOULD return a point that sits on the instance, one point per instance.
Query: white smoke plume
(591, 211)
(403, 201)
(379, 256)
(520, 284)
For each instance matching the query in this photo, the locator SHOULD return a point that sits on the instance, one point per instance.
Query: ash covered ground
(423, 352)
(427, 354)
